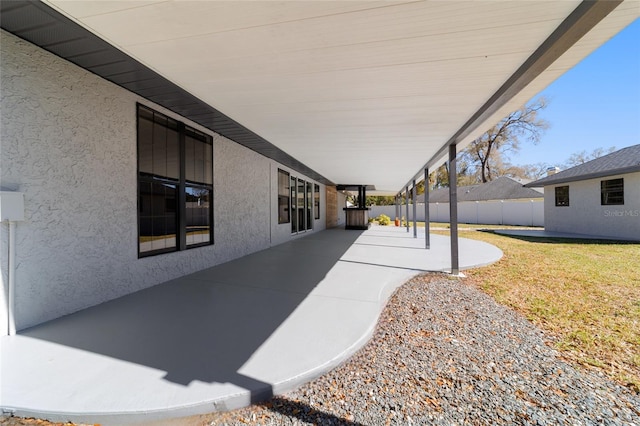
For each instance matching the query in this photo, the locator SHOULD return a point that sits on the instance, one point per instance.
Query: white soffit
(361, 92)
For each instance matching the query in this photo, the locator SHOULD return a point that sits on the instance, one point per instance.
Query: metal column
(427, 237)
(414, 195)
(406, 200)
(453, 210)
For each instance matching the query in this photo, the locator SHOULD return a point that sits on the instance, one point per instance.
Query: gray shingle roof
(502, 188)
(626, 160)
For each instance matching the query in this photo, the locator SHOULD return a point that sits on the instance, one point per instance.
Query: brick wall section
(332, 207)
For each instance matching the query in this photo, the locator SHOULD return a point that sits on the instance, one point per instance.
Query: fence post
(531, 202)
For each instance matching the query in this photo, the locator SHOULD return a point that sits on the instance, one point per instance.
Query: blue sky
(595, 104)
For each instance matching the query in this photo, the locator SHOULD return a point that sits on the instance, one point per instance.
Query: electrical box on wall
(11, 206)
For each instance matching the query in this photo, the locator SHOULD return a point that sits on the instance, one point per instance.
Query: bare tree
(582, 157)
(486, 152)
(534, 171)
(439, 178)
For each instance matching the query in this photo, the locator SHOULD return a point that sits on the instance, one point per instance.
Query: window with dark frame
(284, 200)
(562, 196)
(612, 192)
(175, 185)
(316, 201)
(294, 215)
(309, 207)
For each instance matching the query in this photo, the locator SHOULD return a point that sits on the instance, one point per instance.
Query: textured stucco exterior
(585, 214)
(69, 144)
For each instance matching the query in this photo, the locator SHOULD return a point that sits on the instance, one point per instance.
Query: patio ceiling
(360, 92)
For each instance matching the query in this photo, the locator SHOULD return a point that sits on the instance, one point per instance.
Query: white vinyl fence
(499, 212)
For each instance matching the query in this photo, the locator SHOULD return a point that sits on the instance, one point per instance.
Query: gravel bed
(444, 353)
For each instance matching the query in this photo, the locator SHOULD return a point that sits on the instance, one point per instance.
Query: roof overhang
(369, 92)
(586, 176)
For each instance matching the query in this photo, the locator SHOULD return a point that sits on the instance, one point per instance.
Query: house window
(283, 197)
(562, 196)
(309, 199)
(612, 192)
(175, 185)
(316, 201)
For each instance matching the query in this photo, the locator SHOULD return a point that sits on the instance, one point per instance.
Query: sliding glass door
(303, 203)
(294, 205)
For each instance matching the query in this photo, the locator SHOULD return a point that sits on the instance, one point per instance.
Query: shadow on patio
(221, 338)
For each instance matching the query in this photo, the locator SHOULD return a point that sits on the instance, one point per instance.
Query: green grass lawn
(585, 293)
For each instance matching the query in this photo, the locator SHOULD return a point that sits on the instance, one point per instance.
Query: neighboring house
(502, 188)
(600, 197)
(502, 201)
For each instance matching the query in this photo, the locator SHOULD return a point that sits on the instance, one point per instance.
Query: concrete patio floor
(223, 337)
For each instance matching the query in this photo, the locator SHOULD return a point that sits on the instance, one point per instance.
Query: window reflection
(157, 216)
(612, 192)
(198, 227)
(283, 196)
(316, 202)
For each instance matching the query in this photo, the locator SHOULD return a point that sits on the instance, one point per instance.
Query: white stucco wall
(585, 214)
(69, 143)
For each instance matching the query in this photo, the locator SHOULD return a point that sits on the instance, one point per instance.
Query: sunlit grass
(585, 293)
(468, 226)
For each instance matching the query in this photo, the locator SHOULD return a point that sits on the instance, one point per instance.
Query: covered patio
(223, 337)
(372, 95)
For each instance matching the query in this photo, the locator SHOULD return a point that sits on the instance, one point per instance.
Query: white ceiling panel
(361, 92)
